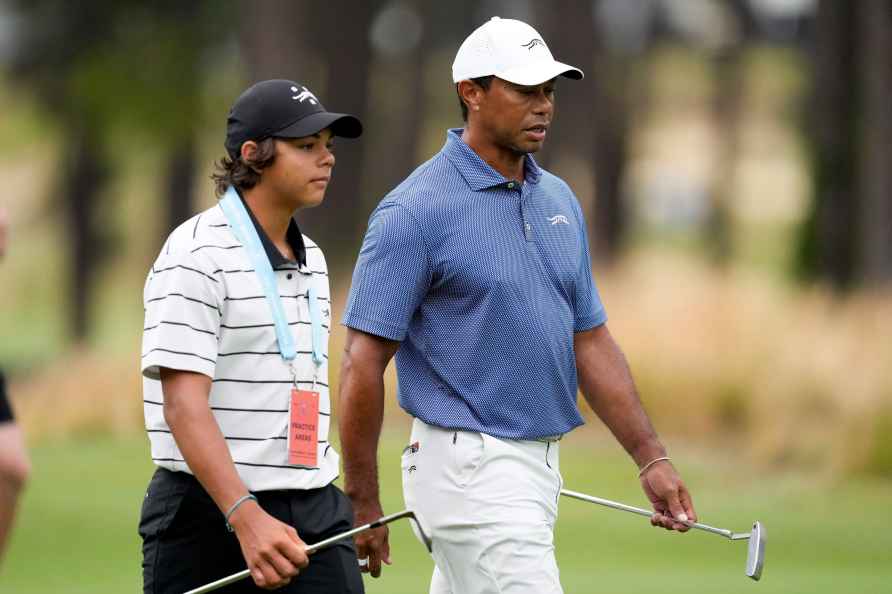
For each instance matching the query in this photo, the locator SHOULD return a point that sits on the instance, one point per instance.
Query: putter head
(416, 526)
(420, 533)
(755, 558)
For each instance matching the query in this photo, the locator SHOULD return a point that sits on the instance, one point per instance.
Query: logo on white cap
(535, 43)
(504, 48)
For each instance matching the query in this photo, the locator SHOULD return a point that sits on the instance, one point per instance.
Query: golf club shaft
(643, 512)
(309, 550)
(376, 524)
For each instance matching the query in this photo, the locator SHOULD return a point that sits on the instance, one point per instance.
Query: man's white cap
(510, 50)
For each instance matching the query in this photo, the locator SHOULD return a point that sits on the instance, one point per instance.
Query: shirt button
(289, 276)
(511, 185)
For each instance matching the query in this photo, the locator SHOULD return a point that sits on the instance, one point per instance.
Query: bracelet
(651, 463)
(235, 506)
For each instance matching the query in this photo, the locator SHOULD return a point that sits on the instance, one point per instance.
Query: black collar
(293, 236)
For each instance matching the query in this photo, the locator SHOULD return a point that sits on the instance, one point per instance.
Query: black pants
(186, 544)
(5, 406)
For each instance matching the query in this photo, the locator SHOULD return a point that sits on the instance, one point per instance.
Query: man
(475, 272)
(235, 368)
(14, 464)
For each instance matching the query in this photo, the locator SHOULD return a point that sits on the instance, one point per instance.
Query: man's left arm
(607, 385)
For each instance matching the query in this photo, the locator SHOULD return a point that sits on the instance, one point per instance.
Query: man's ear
(471, 93)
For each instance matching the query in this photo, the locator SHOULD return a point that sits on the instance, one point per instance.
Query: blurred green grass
(77, 526)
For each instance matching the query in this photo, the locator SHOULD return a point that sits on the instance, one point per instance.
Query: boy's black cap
(283, 109)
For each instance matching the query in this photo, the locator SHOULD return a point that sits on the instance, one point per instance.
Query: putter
(755, 558)
(322, 544)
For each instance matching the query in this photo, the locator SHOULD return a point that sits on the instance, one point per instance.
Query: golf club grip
(309, 550)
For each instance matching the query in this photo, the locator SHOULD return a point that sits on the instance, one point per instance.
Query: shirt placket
(294, 281)
(522, 195)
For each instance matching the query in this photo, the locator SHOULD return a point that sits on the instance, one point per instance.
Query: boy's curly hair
(240, 174)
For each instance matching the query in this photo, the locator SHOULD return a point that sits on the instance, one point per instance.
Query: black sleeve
(5, 408)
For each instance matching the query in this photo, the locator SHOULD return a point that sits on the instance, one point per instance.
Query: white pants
(489, 505)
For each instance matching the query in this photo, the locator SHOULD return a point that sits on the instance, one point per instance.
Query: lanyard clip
(293, 373)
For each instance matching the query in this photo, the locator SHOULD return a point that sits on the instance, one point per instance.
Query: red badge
(303, 428)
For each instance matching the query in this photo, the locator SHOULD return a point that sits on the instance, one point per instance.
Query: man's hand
(371, 544)
(669, 497)
(606, 383)
(272, 549)
(361, 410)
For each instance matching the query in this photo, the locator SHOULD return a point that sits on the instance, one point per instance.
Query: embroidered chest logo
(303, 95)
(532, 43)
(558, 220)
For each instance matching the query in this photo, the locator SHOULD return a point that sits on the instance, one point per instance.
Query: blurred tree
(403, 153)
(349, 55)
(300, 40)
(115, 66)
(611, 126)
(277, 40)
(55, 58)
(180, 181)
(186, 32)
(592, 120)
(826, 249)
(847, 238)
(874, 134)
(571, 138)
(729, 65)
(85, 173)
(412, 96)
(403, 42)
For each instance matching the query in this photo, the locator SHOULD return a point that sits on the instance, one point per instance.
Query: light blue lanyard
(244, 230)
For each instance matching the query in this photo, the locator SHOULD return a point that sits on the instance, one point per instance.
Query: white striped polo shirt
(205, 311)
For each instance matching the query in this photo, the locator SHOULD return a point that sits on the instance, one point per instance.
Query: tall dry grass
(84, 393)
(789, 376)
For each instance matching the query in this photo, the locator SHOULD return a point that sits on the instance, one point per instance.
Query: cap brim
(538, 73)
(341, 124)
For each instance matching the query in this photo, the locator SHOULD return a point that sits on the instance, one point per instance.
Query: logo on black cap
(304, 95)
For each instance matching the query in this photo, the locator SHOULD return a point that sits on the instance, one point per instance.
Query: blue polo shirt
(484, 280)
